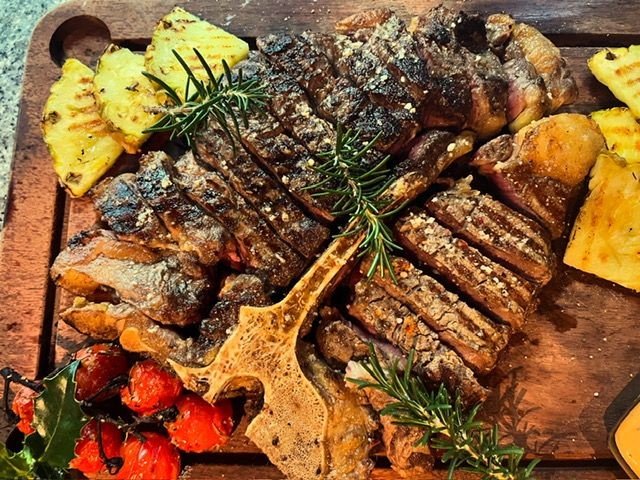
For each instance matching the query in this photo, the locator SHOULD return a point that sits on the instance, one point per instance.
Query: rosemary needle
(358, 188)
(227, 100)
(465, 442)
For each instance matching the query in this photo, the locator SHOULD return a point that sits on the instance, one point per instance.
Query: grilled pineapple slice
(182, 32)
(78, 139)
(605, 240)
(619, 69)
(621, 132)
(123, 94)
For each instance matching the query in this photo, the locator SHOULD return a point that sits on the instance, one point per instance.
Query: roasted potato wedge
(78, 139)
(621, 132)
(563, 146)
(181, 31)
(123, 96)
(619, 69)
(605, 240)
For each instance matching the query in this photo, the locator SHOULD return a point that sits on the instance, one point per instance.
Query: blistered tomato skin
(99, 365)
(200, 426)
(22, 406)
(154, 458)
(150, 388)
(87, 450)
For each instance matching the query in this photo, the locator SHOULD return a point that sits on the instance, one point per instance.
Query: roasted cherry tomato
(200, 426)
(150, 388)
(99, 365)
(23, 407)
(154, 458)
(87, 450)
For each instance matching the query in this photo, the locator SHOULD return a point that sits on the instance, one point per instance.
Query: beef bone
(291, 429)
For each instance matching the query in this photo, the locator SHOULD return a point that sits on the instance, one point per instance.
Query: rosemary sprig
(226, 100)
(466, 442)
(358, 188)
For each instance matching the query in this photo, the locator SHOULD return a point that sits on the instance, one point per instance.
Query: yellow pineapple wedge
(181, 31)
(78, 139)
(621, 132)
(605, 240)
(124, 95)
(619, 69)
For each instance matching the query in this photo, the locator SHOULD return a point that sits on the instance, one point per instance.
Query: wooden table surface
(562, 384)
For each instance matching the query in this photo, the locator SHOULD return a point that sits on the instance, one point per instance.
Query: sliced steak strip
(290, 104)
(477, 339)
(310, 68)
(491, 226)
(505, 294)
(193, 229)
(389, 319)
(260, 249)
(124, 210)
(236, 291)
(266, 195)
(169, 287)
(278, 153)
(305, 57)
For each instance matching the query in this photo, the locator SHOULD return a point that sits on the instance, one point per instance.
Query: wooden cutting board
(563, 382)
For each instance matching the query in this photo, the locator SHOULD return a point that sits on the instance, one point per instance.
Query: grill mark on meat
(476, 338)
(237, 290)
(386, 317)
(501, 232)
(169, 287)
(505, 294)
(191, 227)
(339, 101)
(265, 139)
(261, 250)
(123, 209)
(265, 194)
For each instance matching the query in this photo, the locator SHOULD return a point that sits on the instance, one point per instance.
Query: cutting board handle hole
(83, 37)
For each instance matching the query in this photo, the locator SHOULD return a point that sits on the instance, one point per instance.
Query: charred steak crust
(193, 229)
(259, 248)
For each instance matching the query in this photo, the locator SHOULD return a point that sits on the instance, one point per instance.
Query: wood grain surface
(561, 385)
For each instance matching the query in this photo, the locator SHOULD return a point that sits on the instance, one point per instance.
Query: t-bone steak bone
(293, 426)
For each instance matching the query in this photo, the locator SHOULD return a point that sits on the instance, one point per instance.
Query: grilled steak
(477, 339)
(259, 248)
(236, 291)
(541, 169)
(123, 209)
(528, 99)
(503, 293)
(455, 42)
(169, 287)
(190, 226)
(499, 231)
(265, 195)
(386, 317)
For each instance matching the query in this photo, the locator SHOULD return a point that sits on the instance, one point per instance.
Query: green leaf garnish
(57, 420)
(466, 443)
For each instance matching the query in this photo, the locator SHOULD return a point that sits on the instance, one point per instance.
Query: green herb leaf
(465, 443)
(57, 419)
(358, 184)
(15, 465)
(225, 100)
